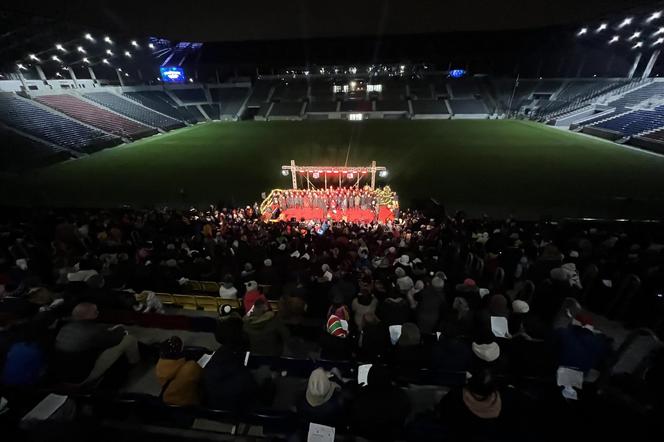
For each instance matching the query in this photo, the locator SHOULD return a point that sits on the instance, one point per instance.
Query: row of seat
(199, 302)
(133, 110)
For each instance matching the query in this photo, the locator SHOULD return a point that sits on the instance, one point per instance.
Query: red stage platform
(353, 215)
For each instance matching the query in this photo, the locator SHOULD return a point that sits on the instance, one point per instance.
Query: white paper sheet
(320, 433)
(499, 327)
(395, 333)
(363, 373)
(568, 377)
(205, 359)
(43, 410)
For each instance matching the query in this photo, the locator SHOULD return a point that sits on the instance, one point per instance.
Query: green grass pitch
(500, 167)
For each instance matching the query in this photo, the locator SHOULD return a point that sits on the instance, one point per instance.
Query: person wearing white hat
(321, 403)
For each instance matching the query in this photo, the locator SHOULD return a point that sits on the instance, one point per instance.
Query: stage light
(382, 174)
(285, 172)
(634, 36)
(582, 31)
(108, 40)
(127, 54)
(134, 44)
(55, 58)
(637, 45)
(316, 175)
(89, 37)
(654, 16)
(350, 175)
(59, 47)
(626, 22)
(109, 52)
(602, 27)
(105, 61)
(614, 39)
(81, 49)
(151, 46)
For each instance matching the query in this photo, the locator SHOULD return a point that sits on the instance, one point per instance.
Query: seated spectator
(478, 410)
(498, 306)
(85, 350)
(292, 308)
(459, 321)
(178, 377)
(394, 310)
(364, 303)
(430, 306)
(451, 354)
(322, 402)
(226, 383)
(380, 408)
(409, 351)
(226, 289)
(338, 307)
(267, 333)
(25, 361)
(374, 342)
(335, 344)
(579, 346)
(269, 276)
(251, 295)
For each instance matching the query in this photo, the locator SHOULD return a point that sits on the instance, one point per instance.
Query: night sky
(221, 20)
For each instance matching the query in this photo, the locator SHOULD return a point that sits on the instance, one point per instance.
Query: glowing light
(120, 69)
(626, 22)
(85, 60)
(602, 27)
(81, 49)
(658, 32)
(58, 74)
(614, 39)
(108, 40)
(109, 52)
(151, 46)
(89, 37)
(191, 80)
(20, 66)
(382, 174)
(59, 47)
(659, 41)
(634, 36)
(284, 172)
(582, 31)
(126, 74)
(350, 175)
(134, 44)
(127, 54)
(105, 61)
(654, 16)
(637, 45)
(55, 58)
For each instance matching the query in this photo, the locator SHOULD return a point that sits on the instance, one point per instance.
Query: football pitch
(498, 167)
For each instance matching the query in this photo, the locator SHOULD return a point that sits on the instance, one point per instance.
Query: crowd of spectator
(418, 293)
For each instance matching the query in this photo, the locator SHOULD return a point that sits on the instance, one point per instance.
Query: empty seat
(230, 99)
(133, 110)
(429, 107)
(157, 100)
(286, 109)
(468, 106)
(194, 95)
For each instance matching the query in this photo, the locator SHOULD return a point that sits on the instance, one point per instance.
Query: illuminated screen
(172, 75)
(457, 73)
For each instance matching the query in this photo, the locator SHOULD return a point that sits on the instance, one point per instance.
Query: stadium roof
(214, 20)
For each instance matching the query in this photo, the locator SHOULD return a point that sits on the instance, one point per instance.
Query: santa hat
(337, 327)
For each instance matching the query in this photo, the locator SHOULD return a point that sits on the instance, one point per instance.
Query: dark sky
(237, 20)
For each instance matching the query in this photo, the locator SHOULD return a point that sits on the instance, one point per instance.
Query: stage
(351, 215)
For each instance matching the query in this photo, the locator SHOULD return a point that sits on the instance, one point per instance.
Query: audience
(178, 377)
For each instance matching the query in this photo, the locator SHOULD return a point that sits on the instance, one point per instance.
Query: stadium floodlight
(60, 48)
(191, 80)
(120, 69)
(55, 58)
(151, 46)
(127, 54)
(614, 39)
(134, 44)
(659, 41)
(285, 172)
(33, 57)
(109, 52)
(582, 31)
(58, 74)
(21, 67)
(382, 174)
(85, 60)
(89, 37)
(105, 61)
(601, 27)
(81, 49)
(126, 74)
(637, 45)
(626, 22)
(658, 32)
(634, 36)
(654, 16)
(108, 40)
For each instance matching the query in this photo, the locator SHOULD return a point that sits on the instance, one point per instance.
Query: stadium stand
(429, 107)
(393, 88)
(356, 106)
(290, 90)
(195, 116)
(636, 122)
(260, 92)
(229, 99)
(420, 89)
(159, 101)
(18, 152)
(286, 109)
(263, 110)
(27, 117)
(321, 89)
(212, 110)
(193, 95)
(464, 88)
(322, 106)
(622, 104)
(468, 106)
(96, 116)
(134, 111)
(391, 106)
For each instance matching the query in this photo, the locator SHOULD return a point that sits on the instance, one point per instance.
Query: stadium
(345, 222)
